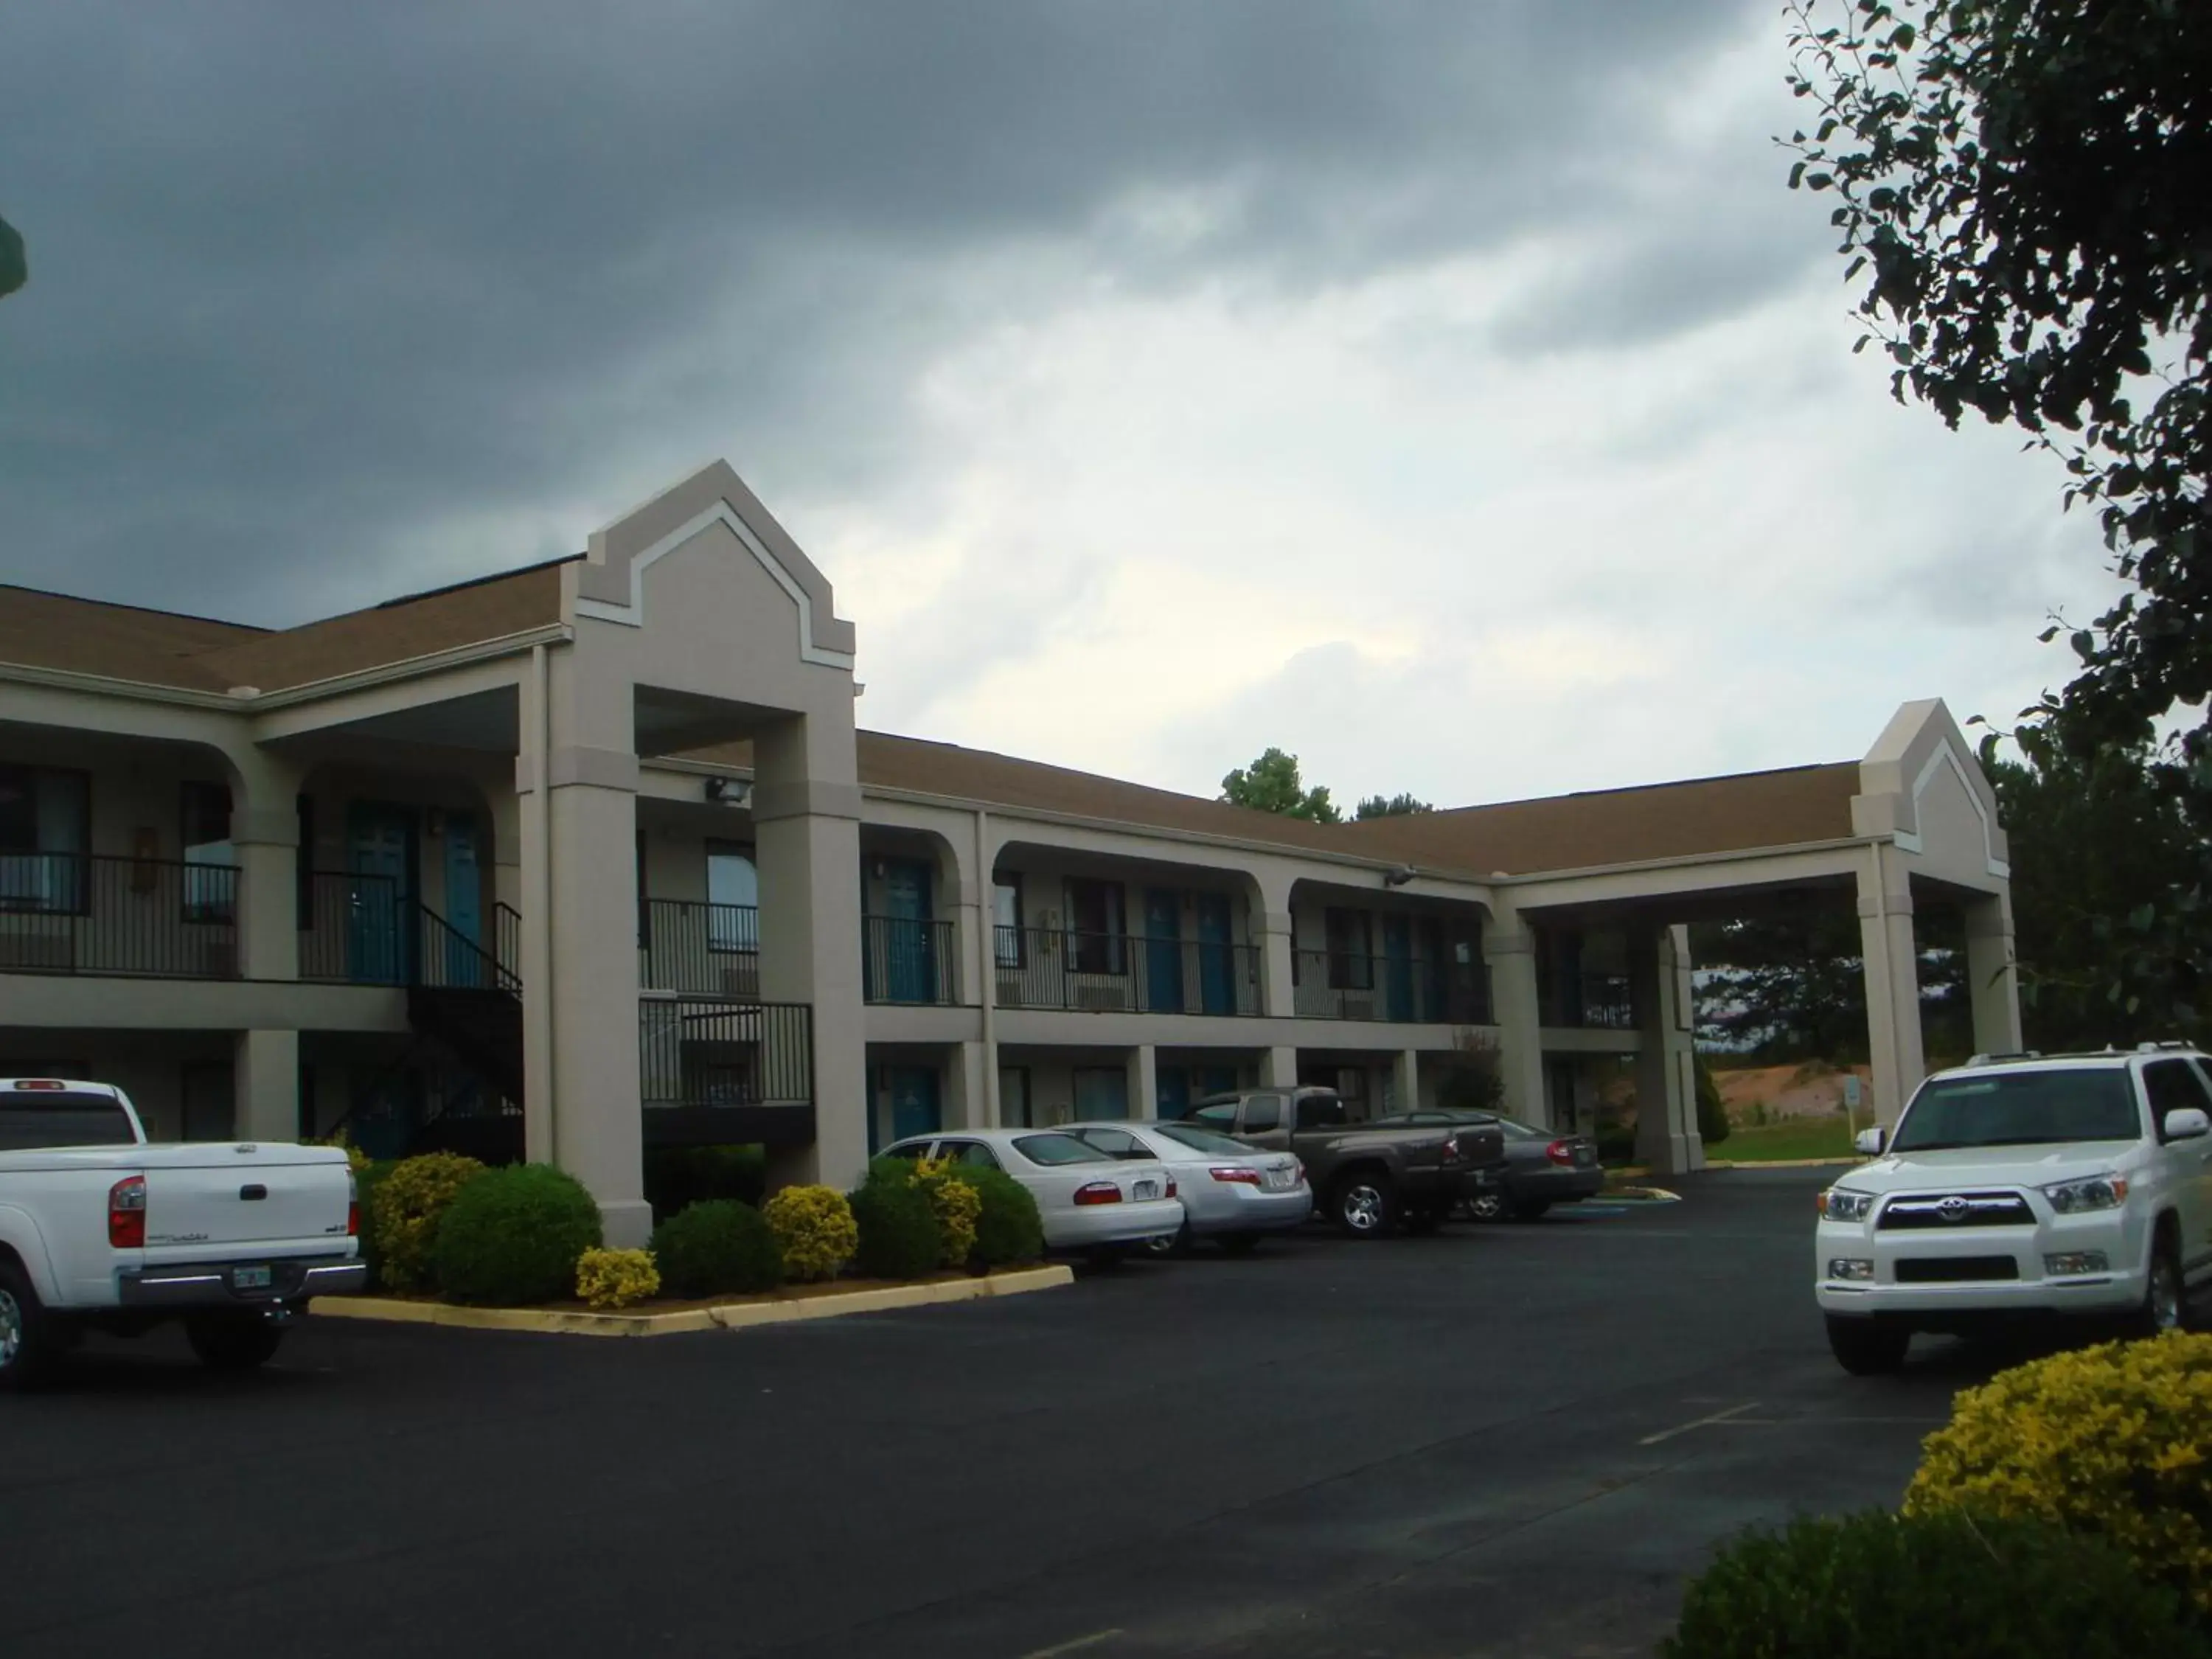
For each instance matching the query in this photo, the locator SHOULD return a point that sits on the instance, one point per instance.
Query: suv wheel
(2164, 1305)
(1867, 1347)
(1362, 1206)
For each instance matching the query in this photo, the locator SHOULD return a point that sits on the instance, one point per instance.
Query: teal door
(1217, 957)
(1174, 1091)
(1101, 1093)
(381, 910)
(1163, 986)
(1397, 966)
(913, 1091)
(909, 964)
(464, 962)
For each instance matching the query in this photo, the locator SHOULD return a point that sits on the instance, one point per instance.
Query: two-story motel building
(590, 858)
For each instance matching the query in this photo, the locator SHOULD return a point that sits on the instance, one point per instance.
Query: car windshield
(2020, 1109)
(1201, 1140)
(32, 1120)
(1058, 1148)
(1517, 1131)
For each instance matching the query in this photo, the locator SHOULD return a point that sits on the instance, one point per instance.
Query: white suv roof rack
(2000, 1058)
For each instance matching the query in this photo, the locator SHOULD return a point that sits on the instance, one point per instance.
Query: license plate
(1148, 1189)
(1279, 1180)
(249, 1278)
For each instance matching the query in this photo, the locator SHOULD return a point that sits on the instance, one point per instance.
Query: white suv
(2022, 1185)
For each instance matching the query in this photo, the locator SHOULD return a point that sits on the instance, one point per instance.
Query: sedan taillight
(1560, 1151)
(126, 1214)
(1098, 1192)
(1238, 1174)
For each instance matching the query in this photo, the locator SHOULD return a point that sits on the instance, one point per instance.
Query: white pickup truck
(2023, 1185)
(100, 1230)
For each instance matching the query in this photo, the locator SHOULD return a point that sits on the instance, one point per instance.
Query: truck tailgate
(219, 1198)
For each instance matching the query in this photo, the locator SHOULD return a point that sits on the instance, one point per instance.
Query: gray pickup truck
(1367, 1178)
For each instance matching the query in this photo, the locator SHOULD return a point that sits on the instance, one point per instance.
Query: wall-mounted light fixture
(729, 791)
(1398, 877)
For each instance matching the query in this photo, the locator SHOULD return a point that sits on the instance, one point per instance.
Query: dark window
(303, 891)
(2172, 1086)
(1321, 1112)
(30, 1121)
(1014, 1097)
(46, 830)
(1351, 959)
(210, 861)
(732, 897)
(1006, 917)
(974, 1153)
(1263, 1112)
(2022, 1108)
(1096, 924)
(1222, 1117)
(1116, 1143)
(909, 1150)
(1201, 1140)
(1050, 1150)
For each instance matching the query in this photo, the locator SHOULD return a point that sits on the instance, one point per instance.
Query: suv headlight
(2096, 1192)
(1842, 1204)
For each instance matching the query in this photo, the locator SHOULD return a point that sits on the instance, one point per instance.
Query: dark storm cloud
(307, 277)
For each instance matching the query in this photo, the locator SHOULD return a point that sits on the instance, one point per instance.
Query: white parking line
(1076, 1646)
(1730, 1414)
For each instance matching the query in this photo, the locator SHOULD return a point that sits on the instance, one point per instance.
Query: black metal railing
(1590, 1000)
(83, 913)
(507, 936)
(708, 949)
(448, 959)
(702, 1052)
(1412, 989)
(355, 930)
(908, 961)
(1120, 973)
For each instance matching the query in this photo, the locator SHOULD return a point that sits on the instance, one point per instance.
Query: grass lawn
(1811, 1137)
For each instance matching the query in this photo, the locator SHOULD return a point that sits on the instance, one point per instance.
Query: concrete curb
(1638, 1196)
(726, 1316)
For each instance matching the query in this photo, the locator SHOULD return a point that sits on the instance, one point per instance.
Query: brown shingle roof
(1748, 811)
(121, 641)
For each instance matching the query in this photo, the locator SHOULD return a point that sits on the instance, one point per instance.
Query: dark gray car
(1541, 1169)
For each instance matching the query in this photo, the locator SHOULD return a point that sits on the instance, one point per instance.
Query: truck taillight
(1098, 1192)
(1451, 1149)
(353, 1205)
(1560, 1151)
(126, 1214)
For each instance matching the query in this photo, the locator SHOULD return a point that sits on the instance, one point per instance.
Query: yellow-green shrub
(615, 1279)
(410, 1203)
(2114, 1441)
(956, 1206)
(815, 1230)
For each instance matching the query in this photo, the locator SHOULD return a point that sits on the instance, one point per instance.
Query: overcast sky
(1451, 394)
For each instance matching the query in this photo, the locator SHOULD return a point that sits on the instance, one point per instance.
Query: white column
(534, 850)
(806, 825)
(265, 1075)
(1993, 974)
(968, 1092)
(1667, 1137)
(1508, 948)
(1892, 982)
(1278, 996)
(1144, 1082)
(1406, 1081)
(1279, 1068)
(265, 830)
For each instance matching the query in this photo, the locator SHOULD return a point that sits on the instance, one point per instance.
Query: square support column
(806, 831)
(1144, 1082)
(1279, 1068)
(264, 831)
(1667, 1137)
(265, 1077)
(1509, 949)
(1993, 976)
(1893, 983)
(1406, 1081)
(1278, 993)
(967, 1091)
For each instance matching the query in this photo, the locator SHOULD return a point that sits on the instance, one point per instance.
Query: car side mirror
(1870, 1142)
(2187, 1123)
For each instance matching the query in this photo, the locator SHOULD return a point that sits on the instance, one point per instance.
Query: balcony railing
(707, 949)
(1119, 973)
(1406, 990)
(719, 1073)
(79, 912)
(908, 961)
(354, 930)
(1603, 1001)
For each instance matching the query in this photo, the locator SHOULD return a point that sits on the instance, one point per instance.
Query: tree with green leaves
(1271, 784)
(2021, 191)
(15, 263)
(1401, 806)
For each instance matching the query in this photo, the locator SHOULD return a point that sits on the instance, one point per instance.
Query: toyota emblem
(1953, 1208)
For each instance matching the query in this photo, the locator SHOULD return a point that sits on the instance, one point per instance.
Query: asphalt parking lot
(1510, 1440)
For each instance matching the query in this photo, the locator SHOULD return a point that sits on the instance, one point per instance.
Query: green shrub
(412, 1202)
(899, 1234)
(2114, 1440)
(677, 1177)
(1008, 1229)
(366, 1181)
(1879, 1586)
(515, 1234)
(718, 1248)
(1712, 1117)
(955, 1204)
(815, 1230)
(1616, 1142)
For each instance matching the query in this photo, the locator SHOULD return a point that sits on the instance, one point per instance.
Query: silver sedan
(1231, 1193)
(1086, 1201)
